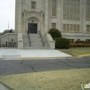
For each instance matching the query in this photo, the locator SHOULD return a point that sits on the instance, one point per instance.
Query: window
(33, 5)
(71, 27)
(64, 27)
(88, 10)
(53, 25)
(87, 40)
(71, 10)
(11, 39)
(53, 7)
(88, 28)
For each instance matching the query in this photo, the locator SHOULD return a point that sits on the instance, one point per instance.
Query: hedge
(55, 33)
(62, 43)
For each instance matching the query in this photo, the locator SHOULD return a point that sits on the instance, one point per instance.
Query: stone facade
(71, 17)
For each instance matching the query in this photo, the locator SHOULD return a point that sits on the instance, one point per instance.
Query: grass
(54, 80)
(77, 51)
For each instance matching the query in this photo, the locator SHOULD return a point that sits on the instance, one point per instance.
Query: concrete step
(36, 45)
(34, 35)
(36, 42)
(26, 44)
(35, 39)
(37, 48)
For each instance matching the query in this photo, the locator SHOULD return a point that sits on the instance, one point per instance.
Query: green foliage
(7, 31)
(3, 45)
(4, 32)
(62, 43)
(55, 33)
(0, 33)
(11, 31)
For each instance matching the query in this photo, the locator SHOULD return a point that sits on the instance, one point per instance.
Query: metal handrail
(42, 39)
(29, 38)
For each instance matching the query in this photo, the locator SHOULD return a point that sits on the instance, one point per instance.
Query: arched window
(53, 7)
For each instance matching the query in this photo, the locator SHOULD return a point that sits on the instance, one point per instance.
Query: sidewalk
(2, 87)
(17, 54)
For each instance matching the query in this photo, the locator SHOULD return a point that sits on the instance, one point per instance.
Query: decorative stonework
(32, 12)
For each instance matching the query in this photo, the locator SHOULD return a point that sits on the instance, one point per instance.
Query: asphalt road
(9, 67)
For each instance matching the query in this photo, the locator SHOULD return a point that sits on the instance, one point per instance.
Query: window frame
(33, 5)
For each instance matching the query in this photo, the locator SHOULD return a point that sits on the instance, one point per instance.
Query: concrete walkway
(2, 87)
(17, 54)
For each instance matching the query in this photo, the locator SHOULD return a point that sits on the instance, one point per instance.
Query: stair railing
(42, 39)
(29, 40)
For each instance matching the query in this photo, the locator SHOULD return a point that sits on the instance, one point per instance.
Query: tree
(11, 31)
(7, 31)
(55, 33)
(4, 32)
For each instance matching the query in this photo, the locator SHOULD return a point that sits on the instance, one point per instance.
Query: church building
(34, 18)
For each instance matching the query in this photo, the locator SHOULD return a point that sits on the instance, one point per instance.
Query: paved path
(2, 87)
(14, 54)
(27, 66)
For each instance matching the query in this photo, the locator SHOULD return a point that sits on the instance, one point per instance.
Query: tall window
(88, 10)
(71, 10)
(33, 5)
(53, 7)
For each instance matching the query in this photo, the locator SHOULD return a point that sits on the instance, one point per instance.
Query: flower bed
(84, 44)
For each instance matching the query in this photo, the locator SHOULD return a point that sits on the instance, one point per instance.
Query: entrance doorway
(32, 28)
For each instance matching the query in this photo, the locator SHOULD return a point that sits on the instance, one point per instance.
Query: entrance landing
(16, 54)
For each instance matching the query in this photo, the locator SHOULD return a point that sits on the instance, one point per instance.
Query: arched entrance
(32, 28)
(33, 25)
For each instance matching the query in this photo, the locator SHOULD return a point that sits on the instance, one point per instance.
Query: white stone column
(16, 14)
(20, 41)
(58, 15)
(46, 16)
(84, 16)
(19, 16)
(19, 22)
(81, 15)
(61, 15)
(42, 17)
(41, 23)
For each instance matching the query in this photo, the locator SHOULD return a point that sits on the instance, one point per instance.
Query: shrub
(3, 45)
(55, 33)
(62, 43)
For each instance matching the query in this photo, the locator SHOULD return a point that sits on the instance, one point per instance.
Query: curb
(84, 55)
(38, 58)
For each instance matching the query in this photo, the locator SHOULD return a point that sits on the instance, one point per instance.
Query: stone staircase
(36, 42)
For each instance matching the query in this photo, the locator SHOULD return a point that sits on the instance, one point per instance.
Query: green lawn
(54, 80)
(76, 51)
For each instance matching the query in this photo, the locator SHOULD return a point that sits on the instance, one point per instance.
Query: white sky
(7, 14)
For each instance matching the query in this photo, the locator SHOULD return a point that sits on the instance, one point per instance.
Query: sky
(7, 14)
